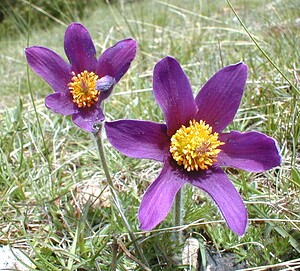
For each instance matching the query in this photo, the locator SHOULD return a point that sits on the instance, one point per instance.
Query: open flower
(82, 85)
(191, 144)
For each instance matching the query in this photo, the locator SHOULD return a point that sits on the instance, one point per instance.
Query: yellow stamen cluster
(196, 146)
(83, 88)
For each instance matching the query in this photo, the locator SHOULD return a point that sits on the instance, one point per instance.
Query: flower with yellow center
(200, 146)
(83, 88)
(196, 146)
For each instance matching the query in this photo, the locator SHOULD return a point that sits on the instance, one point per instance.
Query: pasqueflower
(81, 85)
(192, 145)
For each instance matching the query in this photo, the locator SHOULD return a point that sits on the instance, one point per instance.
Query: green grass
(44, 157)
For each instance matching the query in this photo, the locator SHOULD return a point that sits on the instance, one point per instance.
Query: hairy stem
(178, 214)
(115, 198)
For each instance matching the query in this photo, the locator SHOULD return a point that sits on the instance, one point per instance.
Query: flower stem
(115, 198)
(178, 214)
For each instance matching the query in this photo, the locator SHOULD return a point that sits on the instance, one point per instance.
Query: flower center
(83, 88)
(196, 146)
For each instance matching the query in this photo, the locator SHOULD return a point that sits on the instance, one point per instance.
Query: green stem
(178, 214)
(98, 138)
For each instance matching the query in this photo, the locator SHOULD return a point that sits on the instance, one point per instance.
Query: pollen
(83, 88)
(196, 146)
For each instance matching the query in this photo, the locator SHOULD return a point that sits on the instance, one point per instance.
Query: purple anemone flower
(192, 145)
(81, 86)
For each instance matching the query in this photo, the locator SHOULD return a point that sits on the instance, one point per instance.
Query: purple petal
(105, 83)
(86, 118)
(61, 103)
(139, 139)
(219, 99)
(80, 48)
(50, 66)
(173, 93)
(115, 61)
(158, 198)
(251, 151)
(219, 187)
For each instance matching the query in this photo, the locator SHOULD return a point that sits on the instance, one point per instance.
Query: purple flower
(191, 145)
(82, 85)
